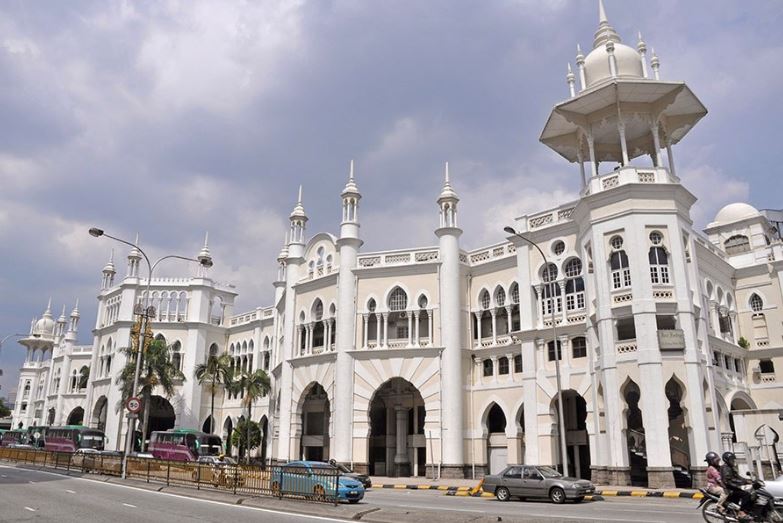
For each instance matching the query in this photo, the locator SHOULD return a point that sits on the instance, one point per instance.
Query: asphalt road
(636, 510)
(33, 495)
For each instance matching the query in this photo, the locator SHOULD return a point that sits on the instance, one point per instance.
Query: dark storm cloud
(173, 118)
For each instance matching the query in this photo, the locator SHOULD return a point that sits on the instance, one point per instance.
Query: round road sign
(133, 405)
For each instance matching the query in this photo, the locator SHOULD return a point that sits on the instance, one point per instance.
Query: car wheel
(502, 494)
(579, 499)
(353, 501)
(557, 495)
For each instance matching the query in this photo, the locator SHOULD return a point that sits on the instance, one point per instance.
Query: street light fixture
(204, 261)
(558, 352)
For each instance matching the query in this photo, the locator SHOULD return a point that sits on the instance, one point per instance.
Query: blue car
(316, 479)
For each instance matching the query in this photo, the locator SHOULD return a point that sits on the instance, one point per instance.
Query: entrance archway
(76, 417)
(497, 446)
(161, 416)
(263, 425)
(207, 426)
(577, 442)
(397, 445)
(739, 402)
(679, 446)
(228, 429)
(634, 432)
(99, 413)
(315, 409)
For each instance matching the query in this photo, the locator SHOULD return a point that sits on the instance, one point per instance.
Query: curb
(402, 486)
(670, 494)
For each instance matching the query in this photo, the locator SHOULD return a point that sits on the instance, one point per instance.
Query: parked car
(317, 479)
(364, 479)
(533, 481)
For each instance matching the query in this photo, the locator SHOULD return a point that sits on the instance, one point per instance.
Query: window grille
(503, 365)
(756, 303)
(737, 244)
(621, 272)
(484, 300)
(579, 347)
(500, 297)
(659, 265)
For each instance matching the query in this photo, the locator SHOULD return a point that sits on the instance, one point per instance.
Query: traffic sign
(133, 405)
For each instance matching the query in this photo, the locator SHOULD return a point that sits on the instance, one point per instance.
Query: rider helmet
(728, 458)
(712, 458)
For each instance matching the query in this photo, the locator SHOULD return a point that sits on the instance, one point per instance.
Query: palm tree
(252, 385)
(215, 371)
(157, 370)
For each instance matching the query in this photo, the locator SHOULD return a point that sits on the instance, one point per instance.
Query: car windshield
(549, 472)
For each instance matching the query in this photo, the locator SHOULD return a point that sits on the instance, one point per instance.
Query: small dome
(44, 326)
(629, 64)
(735, 212)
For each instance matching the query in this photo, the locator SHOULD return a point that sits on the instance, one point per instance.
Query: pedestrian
(714, 481)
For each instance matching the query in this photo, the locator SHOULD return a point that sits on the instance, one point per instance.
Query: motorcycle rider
(714, 481)
(733, 482)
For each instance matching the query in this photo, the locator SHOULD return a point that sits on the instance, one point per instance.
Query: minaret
(642, 48)
(294, 261)
(74, 326)
(108, 272)
(570, 80)
(348, 245)
(580, 65)
(655, 63)
(134, 258)
(450, 331)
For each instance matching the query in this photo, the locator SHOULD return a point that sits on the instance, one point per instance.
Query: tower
(294, 261)
(348, 245)
(134, 258)
(205, 258)
(451, 329)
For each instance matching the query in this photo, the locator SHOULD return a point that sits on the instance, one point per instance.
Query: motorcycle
(763, 507)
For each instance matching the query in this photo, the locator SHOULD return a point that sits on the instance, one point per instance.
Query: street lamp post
(558, 353)
(145, 314)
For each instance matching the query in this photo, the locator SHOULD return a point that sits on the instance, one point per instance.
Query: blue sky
(172, 118)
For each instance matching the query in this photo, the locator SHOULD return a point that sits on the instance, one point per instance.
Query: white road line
(30, 509)
(3, 475)
(128, 505)
(70, 491)
(189, 498)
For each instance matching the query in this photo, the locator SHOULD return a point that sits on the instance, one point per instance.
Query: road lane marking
(30, 509)
(70, 491)
(128, 505)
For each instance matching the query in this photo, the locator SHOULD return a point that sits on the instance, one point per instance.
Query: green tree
(246, 432)
(251, 386)
(214, 372)
(4, 411)
(157, 370)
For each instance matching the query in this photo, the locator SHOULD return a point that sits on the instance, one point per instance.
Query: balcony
(628, 175)
(626, 346)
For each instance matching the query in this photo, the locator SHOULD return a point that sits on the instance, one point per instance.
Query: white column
(410, 328)
(656, 144)
(401, 451)
(416, 336)
(670, 157)
(366, 319)
(495, 369)
(581, 160)
(591, 147)
(493, 313)
(430, 326)
(509, 323)
(385, 329)
(378, 326)
(623, 143)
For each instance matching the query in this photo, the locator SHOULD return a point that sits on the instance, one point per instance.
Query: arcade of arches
(315, 417)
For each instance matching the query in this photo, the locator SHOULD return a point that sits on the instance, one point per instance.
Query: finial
(570, 79)
(350, 176)
(447, 173)
(49, 306)
(602, 12)
(111, 255)
(75, 311)
(299, 200)
(62, 314)
(136, 242)
(655, 63)
(206, 239)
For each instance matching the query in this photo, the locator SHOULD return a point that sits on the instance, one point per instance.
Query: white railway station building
(409, 361)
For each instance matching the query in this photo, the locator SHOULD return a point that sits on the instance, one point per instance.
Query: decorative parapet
(551, 217)
(768, 377)
(399, 258)
(627, 175)
(624, 297)
(489, 253)
(247, 317)
(625, 346)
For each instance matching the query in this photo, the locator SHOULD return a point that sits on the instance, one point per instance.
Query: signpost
(133, 405)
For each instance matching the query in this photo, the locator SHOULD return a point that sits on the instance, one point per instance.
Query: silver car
(532, 481)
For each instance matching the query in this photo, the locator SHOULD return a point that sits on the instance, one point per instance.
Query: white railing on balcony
(625, 346)
(626, 175)
(559, 215)
(392, 258)
(490, 253)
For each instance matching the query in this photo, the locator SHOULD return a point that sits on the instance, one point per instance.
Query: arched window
(484, 299)
(318, 310)
(551, 354)
(551, 299)
(549, 273)
(518, 363)
(575, 285)
(503, 365)
(621, 272)
(423, 302)
(266, 361)
(371, 306)
(489, 368)
(737, 244)
(659, 265)
(398, 300)
(500, 297)
(514, 292)
(176, 356)
(756, 303)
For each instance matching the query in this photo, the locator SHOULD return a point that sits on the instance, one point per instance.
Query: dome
(629, 63)
(735, 212)
(44, 326)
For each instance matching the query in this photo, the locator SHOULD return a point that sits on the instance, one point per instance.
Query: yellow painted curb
(608, 492)
(400, 486)
(698, 495)
(443, 487)
(640, 493)
(671, 494)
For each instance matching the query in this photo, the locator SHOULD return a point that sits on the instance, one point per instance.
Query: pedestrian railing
(283, 481)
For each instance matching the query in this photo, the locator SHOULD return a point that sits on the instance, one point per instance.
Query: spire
(350, 187)
(284, 250)
(109, 267)
(204, 253)
(447, 193)
(48, 311)
(655, 63)
(642, 48)
(299, 211)
(605, 32)
(75, 311)
(134, 253)
(62, 319)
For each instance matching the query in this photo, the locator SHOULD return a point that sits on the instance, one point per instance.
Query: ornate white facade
(400, 362)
